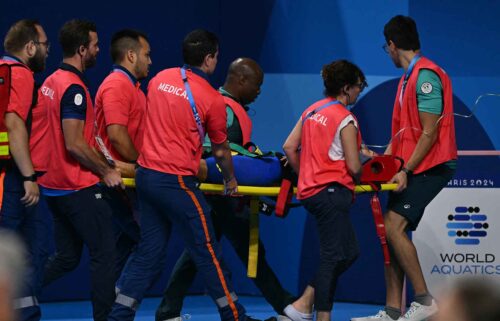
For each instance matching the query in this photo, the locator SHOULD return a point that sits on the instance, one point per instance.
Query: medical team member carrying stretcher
(323, 149)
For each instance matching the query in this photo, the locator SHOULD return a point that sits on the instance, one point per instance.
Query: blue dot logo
(467, 225)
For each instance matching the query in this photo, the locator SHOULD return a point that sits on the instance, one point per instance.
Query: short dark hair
(197, 45)
(73, 34)
(19, 34)
(403, 32)
(339, 73)
(124, 40)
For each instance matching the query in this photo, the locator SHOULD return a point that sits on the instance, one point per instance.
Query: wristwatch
(31, 178)
(407, 171)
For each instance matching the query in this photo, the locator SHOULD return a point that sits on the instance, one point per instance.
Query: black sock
(424, 299)
(393, 313)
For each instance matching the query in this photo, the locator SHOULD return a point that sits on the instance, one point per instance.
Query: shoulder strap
(196, 115)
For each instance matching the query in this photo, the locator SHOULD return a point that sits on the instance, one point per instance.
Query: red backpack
(5, 85)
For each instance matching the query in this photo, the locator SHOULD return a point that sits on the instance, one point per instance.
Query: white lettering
(319, 119)
(170, 89)
(46, 91)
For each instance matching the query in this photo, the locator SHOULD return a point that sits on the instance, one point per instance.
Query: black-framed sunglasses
(45, 43)
(385, 48)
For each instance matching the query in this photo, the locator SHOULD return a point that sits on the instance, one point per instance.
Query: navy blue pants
(84, 217)
(33, 226)
(337, 242)
(231, 218)
(127, 232)
(166, 199)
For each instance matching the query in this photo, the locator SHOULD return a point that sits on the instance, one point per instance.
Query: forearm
(88, 158)
(388, 150)
(222, 155)
(19, 144)
(125, 147)
(424, 145)
(121, 142)
(19, 149)
(293, 157)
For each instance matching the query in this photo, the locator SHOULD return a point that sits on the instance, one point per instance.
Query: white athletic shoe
(380, 316)
(295, 315)
(283, 318)
(419, 312)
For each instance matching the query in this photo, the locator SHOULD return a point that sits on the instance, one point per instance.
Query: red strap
(284, 198)
(380, 227)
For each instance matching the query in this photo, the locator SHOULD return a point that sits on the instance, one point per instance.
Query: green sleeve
(229, 123)
(230, 117)
(429, 92)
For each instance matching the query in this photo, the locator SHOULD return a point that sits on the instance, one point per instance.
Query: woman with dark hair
(323, 149)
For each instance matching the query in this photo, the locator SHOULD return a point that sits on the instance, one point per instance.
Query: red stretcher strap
(284, 198)
(380, 227)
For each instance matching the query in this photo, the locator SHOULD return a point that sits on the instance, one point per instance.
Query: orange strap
(209, 246)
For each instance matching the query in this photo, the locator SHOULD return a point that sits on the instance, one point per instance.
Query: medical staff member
(182, 107)
(120, 106)
(323, 148)
(423, 131)
(230, 214)
(80, 212)
(27, 48)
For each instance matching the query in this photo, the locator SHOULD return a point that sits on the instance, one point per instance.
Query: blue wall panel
(292, 40)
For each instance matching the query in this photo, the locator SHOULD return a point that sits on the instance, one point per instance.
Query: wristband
(31, 178)
(407, 171)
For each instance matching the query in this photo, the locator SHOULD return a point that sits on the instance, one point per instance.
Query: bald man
(230, 215)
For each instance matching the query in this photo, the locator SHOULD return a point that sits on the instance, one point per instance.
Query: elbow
(218, 154)
(220, 151)
(289, 149)
(72, 148)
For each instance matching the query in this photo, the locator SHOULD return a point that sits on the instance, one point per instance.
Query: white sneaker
(283, 318)
(295, 315)
(419, 312)
(380, 316)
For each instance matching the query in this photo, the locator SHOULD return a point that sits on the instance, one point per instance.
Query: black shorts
(421, 190)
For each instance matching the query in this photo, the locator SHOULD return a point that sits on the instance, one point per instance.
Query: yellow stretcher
(256, 191)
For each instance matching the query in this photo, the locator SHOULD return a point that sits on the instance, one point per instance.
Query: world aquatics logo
(467, 225)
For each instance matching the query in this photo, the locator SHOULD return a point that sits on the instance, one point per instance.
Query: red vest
(23, 111)
(317, 169)
(243, 119)
(63, 171)
(39, 133)
(407, 117)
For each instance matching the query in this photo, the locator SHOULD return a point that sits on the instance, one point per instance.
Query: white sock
(295, 315)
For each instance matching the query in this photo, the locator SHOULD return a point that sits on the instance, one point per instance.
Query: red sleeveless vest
(244, 120)
(407, 116)
(317, 169)
(63, 171)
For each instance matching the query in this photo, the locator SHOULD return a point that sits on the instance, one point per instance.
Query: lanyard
(407, 75)
(197, 118)
(311, 113)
